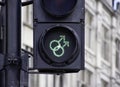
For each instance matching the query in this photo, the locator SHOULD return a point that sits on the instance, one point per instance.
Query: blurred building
(102, 49)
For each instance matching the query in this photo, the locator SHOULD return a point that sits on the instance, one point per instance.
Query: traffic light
(58, 35)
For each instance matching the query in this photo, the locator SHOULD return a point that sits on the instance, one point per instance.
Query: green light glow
(59, 46)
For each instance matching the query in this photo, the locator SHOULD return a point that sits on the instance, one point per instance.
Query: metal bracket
(24, 62)
(12, 60)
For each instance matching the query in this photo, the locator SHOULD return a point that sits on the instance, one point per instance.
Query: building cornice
(107, 5)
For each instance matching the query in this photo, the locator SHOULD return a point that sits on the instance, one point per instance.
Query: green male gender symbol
(59, 46)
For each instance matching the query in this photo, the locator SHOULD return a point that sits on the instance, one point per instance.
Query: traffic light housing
(58, 35)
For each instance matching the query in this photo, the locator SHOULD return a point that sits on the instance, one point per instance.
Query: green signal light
(59, 50)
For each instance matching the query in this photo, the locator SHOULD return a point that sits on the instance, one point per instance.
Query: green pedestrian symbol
(57, 46)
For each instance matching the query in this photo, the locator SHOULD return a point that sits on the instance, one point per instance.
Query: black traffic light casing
(58, 38)
(41, 16)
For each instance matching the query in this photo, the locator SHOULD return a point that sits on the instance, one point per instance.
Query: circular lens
(59, 8)
(59, 46)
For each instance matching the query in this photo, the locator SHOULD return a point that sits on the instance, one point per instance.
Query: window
(90, 31)
(29, 15)
(34, 79)
(104, 84)
(86, 77)
(105, 43)
(82, 76)
(28, 48)
(109, 2)
(117, 54)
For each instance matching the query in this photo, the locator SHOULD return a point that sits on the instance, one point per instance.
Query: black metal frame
(2, 3)
(13, 59)
(27, 3)
(23, 3)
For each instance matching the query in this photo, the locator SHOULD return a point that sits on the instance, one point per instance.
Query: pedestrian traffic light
(58, 35)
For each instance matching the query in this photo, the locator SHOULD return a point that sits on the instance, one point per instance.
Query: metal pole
(13, 45)
(2, 80)
(1, 36)
(2, 40)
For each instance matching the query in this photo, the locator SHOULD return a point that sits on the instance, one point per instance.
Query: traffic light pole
(13, 43)
(2, 41)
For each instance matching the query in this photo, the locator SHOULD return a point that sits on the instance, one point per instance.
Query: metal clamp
(11, 60)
